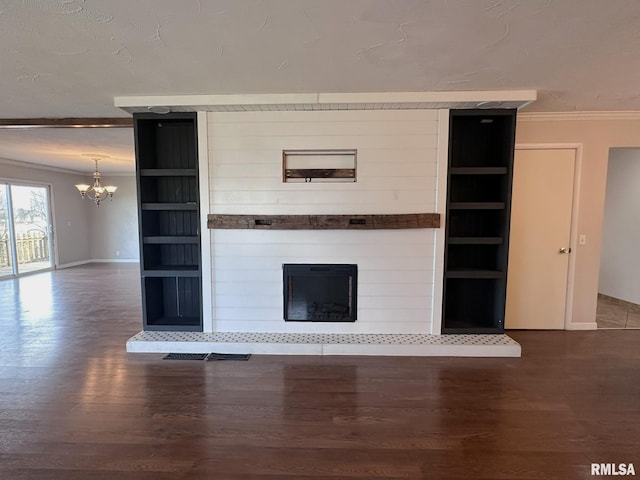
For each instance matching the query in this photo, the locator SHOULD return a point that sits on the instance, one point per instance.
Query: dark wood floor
(75, 406)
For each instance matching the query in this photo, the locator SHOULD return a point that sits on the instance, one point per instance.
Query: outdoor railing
(31, 247)
(4, 252)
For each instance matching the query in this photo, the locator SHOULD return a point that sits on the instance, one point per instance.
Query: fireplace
(320, 292)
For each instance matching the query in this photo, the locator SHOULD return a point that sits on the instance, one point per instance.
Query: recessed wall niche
(315, 166)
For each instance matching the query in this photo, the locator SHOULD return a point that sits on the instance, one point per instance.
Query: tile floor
(615, 313)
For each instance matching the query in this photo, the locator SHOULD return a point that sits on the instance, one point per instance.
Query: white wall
(620, 260)
(71, 220)
(114, 225)
(597, 134)
(82, 231)
(396, 173)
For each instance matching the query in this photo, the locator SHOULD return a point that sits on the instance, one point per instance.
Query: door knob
(565, 250)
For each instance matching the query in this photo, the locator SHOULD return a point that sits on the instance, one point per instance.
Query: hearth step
(263, 343)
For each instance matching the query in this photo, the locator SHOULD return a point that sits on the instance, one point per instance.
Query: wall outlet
(117, 253)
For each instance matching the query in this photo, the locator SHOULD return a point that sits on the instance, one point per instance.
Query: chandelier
(96, 192)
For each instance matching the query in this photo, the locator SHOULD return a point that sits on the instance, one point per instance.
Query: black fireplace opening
(320, 292)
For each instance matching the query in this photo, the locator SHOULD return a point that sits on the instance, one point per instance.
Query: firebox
(320, 292)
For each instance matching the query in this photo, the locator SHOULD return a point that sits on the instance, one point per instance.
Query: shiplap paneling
(396, 173)
(365, 170)
(359, 201)
(237, 325)
(342, 255)
(221, 184)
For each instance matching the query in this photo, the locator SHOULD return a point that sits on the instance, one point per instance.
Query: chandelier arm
(98, 193)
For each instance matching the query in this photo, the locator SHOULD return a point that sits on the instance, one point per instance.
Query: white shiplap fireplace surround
(401, 141)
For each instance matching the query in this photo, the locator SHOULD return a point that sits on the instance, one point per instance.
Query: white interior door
(539, 240)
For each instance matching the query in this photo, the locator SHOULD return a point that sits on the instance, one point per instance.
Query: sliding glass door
(6, 236)
(25, 229)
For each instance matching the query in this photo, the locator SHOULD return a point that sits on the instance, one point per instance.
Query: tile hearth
(325, 344)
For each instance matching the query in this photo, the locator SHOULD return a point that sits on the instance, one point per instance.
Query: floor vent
(185, 356)
(229, 356)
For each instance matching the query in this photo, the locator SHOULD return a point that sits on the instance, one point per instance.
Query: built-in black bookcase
(169, 213)
(480, 171)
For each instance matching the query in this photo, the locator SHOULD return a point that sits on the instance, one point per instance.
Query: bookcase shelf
(169, 172)
(474, 274)
(169, 239)
(476, 206)
(480, 169)
(168, 200)
(475, 240)
(170, 206)
(174, 271)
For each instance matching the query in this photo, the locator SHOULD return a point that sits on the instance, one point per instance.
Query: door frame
(53, 244)
(573, 242)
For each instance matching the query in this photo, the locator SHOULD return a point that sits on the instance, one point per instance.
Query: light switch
(583, 239)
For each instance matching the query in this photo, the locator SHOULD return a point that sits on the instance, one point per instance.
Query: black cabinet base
(175, 324)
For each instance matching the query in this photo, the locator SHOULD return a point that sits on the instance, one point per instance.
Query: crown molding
(51, 168)
(37, 166)
(572, 116)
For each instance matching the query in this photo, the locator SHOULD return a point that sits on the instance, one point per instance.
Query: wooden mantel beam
(96, 122)
(324, 222)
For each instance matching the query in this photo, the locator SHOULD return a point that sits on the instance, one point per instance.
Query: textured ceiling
(70, 58)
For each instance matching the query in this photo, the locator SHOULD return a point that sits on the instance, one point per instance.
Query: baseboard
(582, 326)
(97, 260)
(114, 260)
(72, 264)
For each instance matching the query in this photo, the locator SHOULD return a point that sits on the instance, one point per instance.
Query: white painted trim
(96, 260)
(378, 100)
(573, 235)
(73, 264)
(21, 182)
(564, 116)
(241, 99)
(54, 228)
(13, 250)
(205, 235)
(20, 163)
(114, 260)
(583, 326)
(577, 184)
(430, 97)
(53, 244)
(441, 203)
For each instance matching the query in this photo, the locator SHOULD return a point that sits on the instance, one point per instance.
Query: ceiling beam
(99, 122)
